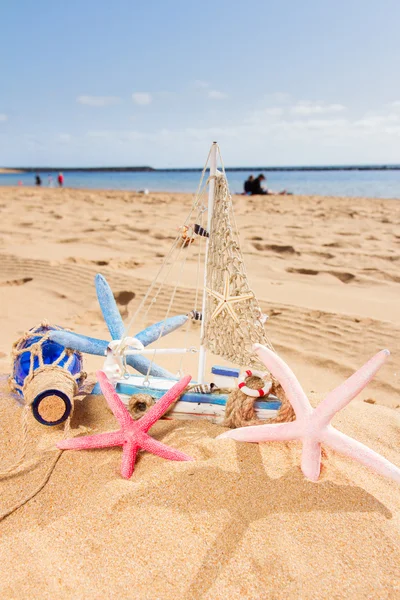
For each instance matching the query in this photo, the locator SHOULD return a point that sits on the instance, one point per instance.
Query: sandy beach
(241, 521)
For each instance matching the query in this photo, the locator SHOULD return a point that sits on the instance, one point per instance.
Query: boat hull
(191, 405)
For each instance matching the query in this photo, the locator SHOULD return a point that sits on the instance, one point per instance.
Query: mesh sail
(233, 318)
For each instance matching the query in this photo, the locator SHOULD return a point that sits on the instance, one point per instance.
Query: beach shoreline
(184, 194)
(372, 184)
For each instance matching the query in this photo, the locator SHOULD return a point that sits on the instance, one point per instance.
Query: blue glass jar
(34, 355)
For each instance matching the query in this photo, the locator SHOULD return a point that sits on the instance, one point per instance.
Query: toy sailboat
(226, 316)
(230, 317)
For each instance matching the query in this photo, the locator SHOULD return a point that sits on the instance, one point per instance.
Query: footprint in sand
(160, 236)
(136, 230)
(342, 276)
(59, 295)
(302, 271)
(280, 249)
(123, 298)
(333, 245)
(326, 255)
(128, 264)
(84, 261)
(17, 281)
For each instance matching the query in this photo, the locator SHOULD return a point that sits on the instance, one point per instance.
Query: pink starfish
(312, 426)
(133, 434)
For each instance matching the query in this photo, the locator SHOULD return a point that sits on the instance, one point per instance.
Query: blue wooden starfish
(116, 328)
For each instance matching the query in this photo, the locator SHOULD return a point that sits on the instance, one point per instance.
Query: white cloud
(274, 111)
(142, 98)
(395, 105)
(3, 117)
(311, 108)
(377, 121)
(201, 85)
(120, 135)
(263, 116)
(267, 133)
(98, 100)
(216, 95)
(278, 97)
(99, 134)
(34, 142)
(132, 136)
(311, 124)
(164, 95)
(392, 130)
(211, 133)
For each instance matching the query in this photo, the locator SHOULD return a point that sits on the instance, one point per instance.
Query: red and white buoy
(258, 393)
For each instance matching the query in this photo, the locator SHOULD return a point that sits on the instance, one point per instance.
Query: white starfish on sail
(226, 301)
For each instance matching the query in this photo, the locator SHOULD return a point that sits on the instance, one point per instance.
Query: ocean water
(371, 183)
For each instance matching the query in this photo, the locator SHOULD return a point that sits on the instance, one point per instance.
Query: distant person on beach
(50, 181)
(258, 190)
(60, 179)
(38, 181)
(248, 184)
(256, 187)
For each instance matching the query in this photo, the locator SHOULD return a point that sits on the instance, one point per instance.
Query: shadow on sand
(234, 492)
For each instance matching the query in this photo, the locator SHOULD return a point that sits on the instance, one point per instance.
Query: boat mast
(211, 189)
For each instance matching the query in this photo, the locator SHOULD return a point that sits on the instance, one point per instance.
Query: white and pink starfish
(312, 426)
(133, 434)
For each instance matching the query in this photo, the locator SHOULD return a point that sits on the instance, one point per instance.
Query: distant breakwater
(147, 169)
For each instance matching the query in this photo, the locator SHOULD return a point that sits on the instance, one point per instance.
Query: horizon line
(146, 168)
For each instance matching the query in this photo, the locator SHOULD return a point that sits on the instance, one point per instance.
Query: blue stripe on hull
(219, 399)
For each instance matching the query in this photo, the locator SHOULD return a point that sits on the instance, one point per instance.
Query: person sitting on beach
(248, 184)
(258, 190)
(256, 187)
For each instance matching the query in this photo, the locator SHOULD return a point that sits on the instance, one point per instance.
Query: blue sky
(94, 83)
